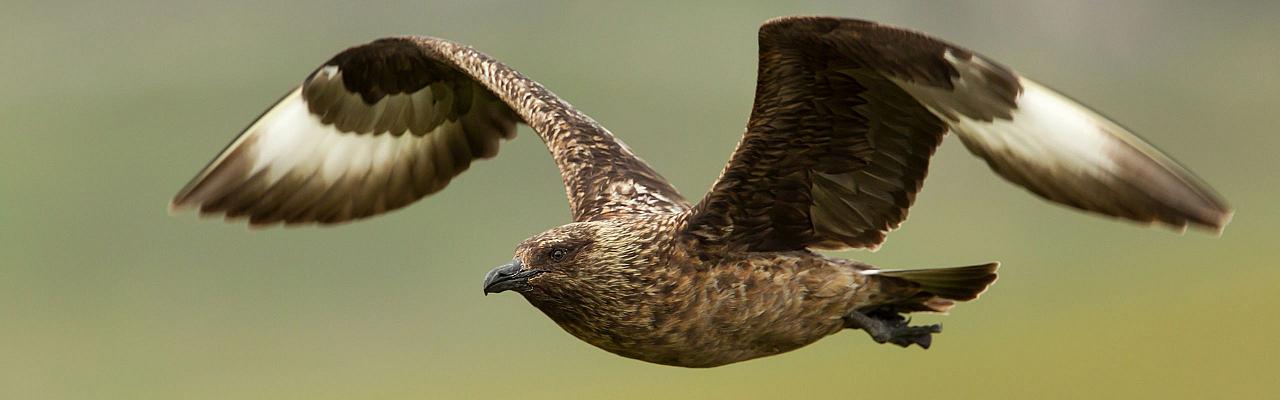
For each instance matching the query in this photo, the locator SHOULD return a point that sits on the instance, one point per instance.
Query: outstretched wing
(848, 113)
(383, 124)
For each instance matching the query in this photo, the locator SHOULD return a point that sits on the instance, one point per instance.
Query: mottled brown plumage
(630, 286)
(846, 118)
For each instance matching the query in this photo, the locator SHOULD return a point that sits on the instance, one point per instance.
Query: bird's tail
(933, 289)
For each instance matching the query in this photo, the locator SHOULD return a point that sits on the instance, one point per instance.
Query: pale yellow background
(107, 108)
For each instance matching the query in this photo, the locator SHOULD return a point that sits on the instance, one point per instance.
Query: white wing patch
(1066, 152)
(291, 166)
(1048, 130)
(300, 141)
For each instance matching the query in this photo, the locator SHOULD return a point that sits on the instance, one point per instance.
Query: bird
(847, 115)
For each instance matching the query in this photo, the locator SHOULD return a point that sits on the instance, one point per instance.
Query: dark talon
(893, 328)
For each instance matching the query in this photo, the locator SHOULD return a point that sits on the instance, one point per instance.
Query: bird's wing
(383, 124)
(847, 114)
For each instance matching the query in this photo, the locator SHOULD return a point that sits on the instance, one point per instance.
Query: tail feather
(957, 283)
(938, 289)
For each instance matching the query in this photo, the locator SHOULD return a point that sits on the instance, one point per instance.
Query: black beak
(508, 277)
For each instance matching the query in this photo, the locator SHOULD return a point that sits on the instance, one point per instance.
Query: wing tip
(180, 203)
(1212, 217)
(1220, 221)
(1160, 191)
(1214, 224)
(175, 208)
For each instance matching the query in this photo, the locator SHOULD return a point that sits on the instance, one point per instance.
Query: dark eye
(557, 254)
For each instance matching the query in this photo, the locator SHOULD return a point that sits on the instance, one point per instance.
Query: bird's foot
(890, 327)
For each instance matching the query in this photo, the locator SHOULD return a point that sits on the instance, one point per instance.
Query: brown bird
(847, 114)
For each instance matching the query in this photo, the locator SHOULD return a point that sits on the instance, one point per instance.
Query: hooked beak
(508, 277)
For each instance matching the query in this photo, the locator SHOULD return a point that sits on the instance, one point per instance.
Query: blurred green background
(109, 107)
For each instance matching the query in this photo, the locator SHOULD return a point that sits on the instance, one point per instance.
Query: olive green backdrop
(107, 108)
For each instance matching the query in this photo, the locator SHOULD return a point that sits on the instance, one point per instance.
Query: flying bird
(847, 115)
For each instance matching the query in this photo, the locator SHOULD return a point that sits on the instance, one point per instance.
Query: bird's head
(582, 262)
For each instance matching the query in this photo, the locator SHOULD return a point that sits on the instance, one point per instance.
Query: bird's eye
(557, 254)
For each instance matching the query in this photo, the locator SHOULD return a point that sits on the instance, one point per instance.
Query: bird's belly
(692, 337)
(735, 311)
(720, 345)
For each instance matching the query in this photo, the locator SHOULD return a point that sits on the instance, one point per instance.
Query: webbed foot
(889, 327)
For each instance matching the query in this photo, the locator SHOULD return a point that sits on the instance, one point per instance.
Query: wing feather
(383, 124)
(848, 114)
